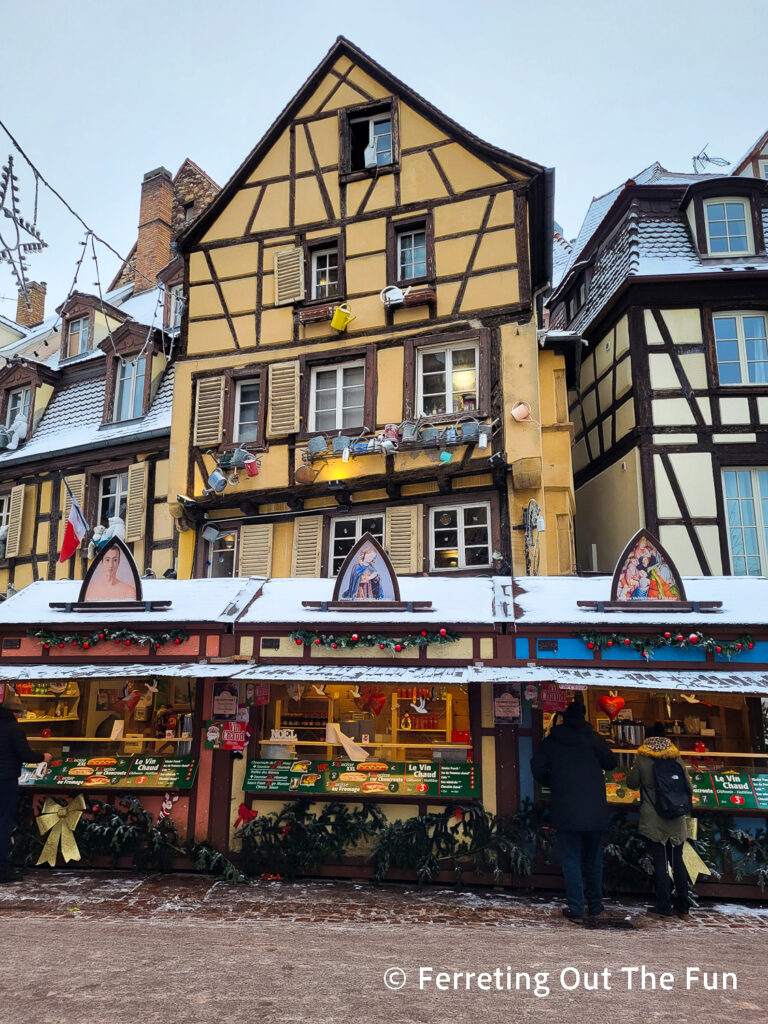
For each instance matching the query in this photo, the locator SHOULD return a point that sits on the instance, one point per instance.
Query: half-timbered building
(666, 284)
(361, 322)
(85, 402)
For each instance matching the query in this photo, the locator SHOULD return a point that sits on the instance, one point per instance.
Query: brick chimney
(153, 248)
(33, 314)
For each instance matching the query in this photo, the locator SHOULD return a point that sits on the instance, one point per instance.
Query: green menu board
(137, 772)
(368, 778)
(730, 790)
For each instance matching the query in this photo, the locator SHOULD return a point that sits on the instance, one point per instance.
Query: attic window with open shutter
(289, 276)
(369, 139)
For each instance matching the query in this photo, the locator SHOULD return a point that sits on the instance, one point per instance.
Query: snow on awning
(749, 683)
(77, 672)
(395, 675)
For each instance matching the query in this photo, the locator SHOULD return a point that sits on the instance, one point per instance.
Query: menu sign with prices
(113, 772)
(366, 778)
(730, 790)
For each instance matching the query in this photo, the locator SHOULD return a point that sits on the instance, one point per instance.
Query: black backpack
(673, 798)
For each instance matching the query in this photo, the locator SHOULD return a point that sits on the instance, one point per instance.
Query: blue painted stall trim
(567, 649)
(522, 651)
(758, 653)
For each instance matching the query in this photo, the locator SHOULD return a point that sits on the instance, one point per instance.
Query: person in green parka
(665, 836)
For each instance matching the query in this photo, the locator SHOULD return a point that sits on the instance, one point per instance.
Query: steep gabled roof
(753, 150)
(344, 48)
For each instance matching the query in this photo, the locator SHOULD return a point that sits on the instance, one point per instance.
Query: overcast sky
(97, 93)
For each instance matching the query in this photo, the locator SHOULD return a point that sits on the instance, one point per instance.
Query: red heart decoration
(611, 706)
(375, 703)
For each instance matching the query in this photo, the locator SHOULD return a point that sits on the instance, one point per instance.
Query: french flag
(75, 530)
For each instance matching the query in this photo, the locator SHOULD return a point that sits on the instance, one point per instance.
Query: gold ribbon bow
(60, 823)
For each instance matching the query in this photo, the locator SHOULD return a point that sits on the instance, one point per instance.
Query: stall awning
(193, 669)
(749, 683)
(383, 675)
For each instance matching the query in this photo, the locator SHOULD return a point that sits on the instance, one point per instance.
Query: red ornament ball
(101, 636)
(299, 641)
(74, 643)
(667, 636)
(317, 641)
(590, 645)
(86, 645)
(423, 632)
(355, 638)
(46, 646)
(61, 645)
(443, 632)
(177, 640)
(738, 647)
(694, 638)
(382, 646)
(127, 643)
(398, 647)
(680, 638)
(750, 646)
(609, 643)
(334, 645)
(719, 650)
(627, 641)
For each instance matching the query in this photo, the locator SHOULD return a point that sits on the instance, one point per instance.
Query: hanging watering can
(225, 461)
(428, 432)
(233, 479)
(451, 435)
(470, 428)
(390, 432)
(217, 481)
(342, 318)
(317, 446)
(409, 430)
(252, 466)
(339, 443)
(393, 296)
(521, 411)
(239, 455)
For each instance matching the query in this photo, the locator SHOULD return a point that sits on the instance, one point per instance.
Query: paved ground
(116, 948)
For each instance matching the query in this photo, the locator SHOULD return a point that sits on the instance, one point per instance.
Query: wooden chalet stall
(118, 691)
(695, 659)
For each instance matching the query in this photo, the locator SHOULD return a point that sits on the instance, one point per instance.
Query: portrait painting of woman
(112, 580)
(366, 579)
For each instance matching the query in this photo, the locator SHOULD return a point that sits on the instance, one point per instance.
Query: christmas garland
(384, 641)
(126, 637)
(647, 645)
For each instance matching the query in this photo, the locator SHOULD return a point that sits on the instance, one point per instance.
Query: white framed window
(176, 307)
(741, 344)
(411, 254)
(746, 505)
(460, 537)
(729, 230)
(337, 396)
(763, 165)
(129, 392)
(371, 141)
(113, 497)
(222, 555)
(447, 379)
(247, 409)
(346, 531)
(77, 337)
(5, 505)
(18, 404)
(325, 273)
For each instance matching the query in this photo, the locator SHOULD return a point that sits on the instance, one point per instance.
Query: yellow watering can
(342, 318)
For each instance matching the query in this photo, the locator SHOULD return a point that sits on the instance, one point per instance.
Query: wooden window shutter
(307, 539)
(15, 521)
(77, 486)
(255, 557)
(289, 276)
(209, 408)
(136, 504)
(403, 538)
(283, 408)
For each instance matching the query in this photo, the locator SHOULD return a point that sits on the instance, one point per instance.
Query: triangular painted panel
(367, 574)
(645, 572)
(112, 576)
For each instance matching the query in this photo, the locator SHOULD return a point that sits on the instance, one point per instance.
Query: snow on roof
(553, 599)
(561, 257)
(192, 601)
(756, 146)
(453, 600)
(73, 421)
(146, 308)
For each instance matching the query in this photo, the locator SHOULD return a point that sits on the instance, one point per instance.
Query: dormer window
(729, 229)
(78, 337)
(129, 393)
(577, 298)
(763, 164)
(176, 307)
(18, 404)
(369, 139)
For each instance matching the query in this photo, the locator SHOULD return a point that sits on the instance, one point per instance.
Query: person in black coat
(571, 761)
(14, 752)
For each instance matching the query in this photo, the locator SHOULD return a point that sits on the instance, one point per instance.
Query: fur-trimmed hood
(658, 746)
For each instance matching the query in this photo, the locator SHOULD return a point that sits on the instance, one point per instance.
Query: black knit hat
(657, 729)
(575, 711)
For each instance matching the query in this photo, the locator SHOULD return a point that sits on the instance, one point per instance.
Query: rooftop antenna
(703, 158)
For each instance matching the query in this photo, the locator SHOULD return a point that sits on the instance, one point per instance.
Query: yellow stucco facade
(262, 360)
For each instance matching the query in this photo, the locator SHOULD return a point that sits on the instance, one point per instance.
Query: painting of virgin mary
(364, 583)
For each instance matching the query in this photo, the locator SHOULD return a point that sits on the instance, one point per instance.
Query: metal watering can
(342, 318)
(393, 296)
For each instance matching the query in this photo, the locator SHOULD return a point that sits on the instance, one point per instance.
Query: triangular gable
(757, 150)
(345, 77)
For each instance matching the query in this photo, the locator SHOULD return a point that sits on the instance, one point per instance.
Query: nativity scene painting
(367, 574)
(645, 572)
